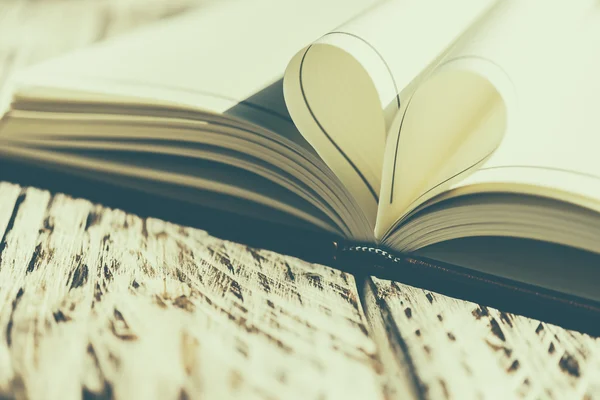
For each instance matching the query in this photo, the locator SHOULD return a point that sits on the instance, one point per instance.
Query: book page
(225, 54)
(221, 65)
(529, 109)
(344, 90)
(551, 147)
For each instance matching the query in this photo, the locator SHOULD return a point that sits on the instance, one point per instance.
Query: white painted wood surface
(454, 349)
(95, 303)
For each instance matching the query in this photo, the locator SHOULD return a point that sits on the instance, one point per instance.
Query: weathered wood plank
(96, 301)
(460, 350)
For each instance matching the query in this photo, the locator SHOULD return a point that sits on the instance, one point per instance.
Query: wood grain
(455, 349)
(96, 302)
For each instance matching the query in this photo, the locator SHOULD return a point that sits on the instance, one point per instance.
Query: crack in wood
(569, 364)
(11, 222)
(10, 323)
(399, 344)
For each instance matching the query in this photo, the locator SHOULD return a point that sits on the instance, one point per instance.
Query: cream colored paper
(344, 90)
(537, 112)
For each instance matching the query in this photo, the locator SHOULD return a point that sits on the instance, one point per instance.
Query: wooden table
(96, 303)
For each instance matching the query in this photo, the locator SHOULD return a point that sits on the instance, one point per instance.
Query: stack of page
(401, 125)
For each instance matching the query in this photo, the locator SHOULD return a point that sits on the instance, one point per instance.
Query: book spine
(572, 312)
(367, 259)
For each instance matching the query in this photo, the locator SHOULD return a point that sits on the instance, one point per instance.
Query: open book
(391, 128)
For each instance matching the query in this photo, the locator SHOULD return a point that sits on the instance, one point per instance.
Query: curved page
(224, 61)
(344, 90)
(550, 149)
(213, 58)
(550, 141)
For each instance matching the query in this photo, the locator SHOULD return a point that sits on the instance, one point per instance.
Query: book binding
(360, 259)
(487, 290)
